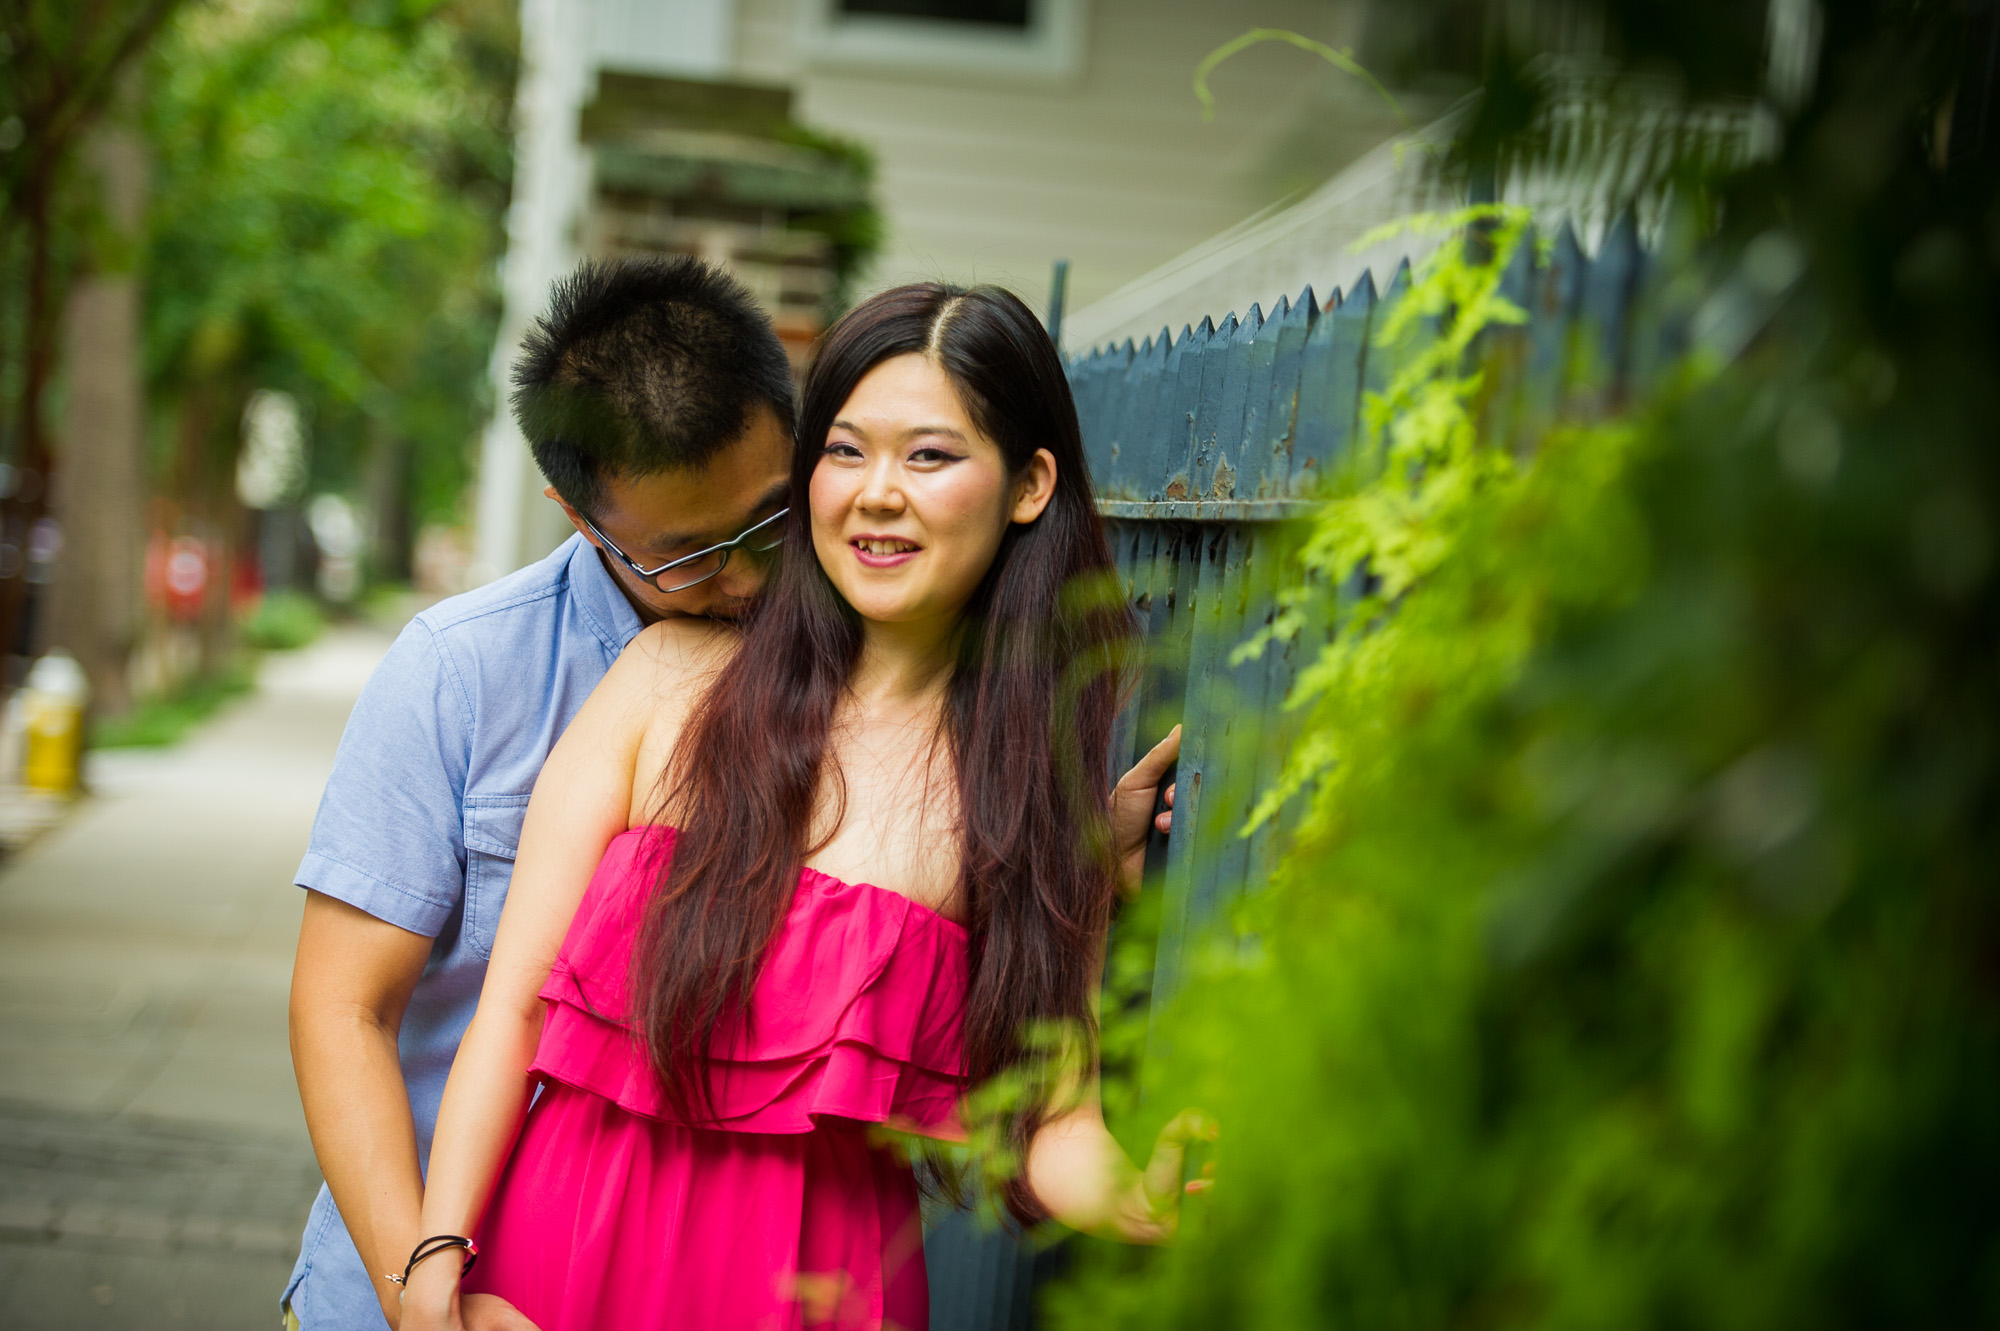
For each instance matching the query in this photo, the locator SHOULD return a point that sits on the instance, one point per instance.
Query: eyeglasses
(702, 565)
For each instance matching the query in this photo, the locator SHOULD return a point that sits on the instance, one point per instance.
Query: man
(658, 403)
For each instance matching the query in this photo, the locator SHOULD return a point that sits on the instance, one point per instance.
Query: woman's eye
(933, 455)
(838, 449)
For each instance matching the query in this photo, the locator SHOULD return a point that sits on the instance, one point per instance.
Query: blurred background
(1620, 952)
(263, 265)
(265, 260)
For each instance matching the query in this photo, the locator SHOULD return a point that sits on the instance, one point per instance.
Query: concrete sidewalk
(154, 1165)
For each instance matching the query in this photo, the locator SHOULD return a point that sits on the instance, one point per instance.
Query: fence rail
(1206, 450)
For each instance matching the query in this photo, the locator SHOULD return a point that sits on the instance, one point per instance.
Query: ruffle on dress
(856, 1014)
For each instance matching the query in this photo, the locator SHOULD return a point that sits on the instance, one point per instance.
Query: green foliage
(1402, 510)
(1342, 60)
(159, 722)
(1632, 964)
(61, 67)
(283, 621)
(330, 188)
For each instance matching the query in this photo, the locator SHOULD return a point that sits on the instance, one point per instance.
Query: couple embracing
(785, 770)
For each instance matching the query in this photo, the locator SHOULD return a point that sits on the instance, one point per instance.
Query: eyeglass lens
(755, 545)
(687, 575)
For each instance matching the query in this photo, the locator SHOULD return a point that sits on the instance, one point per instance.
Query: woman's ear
(1036, 487)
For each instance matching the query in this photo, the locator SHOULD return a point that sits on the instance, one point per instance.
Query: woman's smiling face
(910, 499)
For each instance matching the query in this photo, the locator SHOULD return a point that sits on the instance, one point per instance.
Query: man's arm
(385, 872)
(350, 983)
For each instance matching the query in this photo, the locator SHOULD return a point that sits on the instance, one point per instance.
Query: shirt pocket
(492, 839)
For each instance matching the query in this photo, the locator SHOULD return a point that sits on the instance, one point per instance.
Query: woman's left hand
(1132, 810)
(1163, 1182)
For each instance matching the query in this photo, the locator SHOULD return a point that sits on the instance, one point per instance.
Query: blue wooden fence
(1206, 448)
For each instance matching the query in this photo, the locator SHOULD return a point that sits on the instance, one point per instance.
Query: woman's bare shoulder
(667, 670)
(686, 644)
(677, 657)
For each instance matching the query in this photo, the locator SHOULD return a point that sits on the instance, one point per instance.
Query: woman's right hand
(439, 1305)
(431, 1300)
(490, 1312)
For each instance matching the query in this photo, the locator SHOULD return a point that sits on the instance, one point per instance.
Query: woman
(777, 888)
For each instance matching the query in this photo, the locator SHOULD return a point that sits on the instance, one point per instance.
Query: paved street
(154, 1166)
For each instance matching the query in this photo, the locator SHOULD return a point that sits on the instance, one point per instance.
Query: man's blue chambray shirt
(420, 820)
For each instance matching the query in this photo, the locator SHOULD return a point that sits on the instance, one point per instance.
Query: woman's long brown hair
(1027, 716)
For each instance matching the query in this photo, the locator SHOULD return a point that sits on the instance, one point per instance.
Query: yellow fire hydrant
(52, 704)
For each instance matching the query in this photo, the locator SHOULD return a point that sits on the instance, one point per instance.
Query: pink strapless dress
(612, 1215)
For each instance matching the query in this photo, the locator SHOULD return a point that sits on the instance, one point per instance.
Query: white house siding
(983, 179)
(516, 525)
(1315, 242)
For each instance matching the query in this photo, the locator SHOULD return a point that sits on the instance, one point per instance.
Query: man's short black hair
(643, 366)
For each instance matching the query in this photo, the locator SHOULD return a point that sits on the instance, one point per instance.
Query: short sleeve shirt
(422, 814)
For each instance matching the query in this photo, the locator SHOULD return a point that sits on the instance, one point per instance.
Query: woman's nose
(881, 489)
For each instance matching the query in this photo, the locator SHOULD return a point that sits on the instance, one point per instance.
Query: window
(1012, 40)
(1000, 13)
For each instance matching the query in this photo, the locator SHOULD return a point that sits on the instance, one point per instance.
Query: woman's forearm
(582, 800)
(485, 1100)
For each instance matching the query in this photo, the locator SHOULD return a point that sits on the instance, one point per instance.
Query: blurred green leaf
(1634, 963)
(331, 185)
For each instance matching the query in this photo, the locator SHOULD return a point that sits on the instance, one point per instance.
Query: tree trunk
(99, 494)
(22, 504)
(201, 503)
(387, 486)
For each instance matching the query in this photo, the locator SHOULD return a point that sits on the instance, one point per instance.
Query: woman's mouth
(883, 551)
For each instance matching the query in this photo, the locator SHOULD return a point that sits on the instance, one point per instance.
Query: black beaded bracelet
(431, 1247)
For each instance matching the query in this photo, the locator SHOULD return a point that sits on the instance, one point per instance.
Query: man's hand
(1132, 810)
